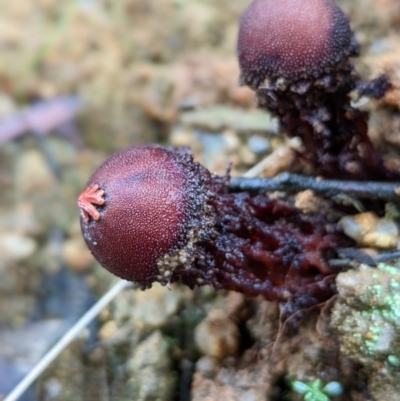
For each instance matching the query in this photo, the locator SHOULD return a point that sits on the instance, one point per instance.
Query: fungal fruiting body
(166, 218)
(292, 40)
(148, 201)
(295, 55)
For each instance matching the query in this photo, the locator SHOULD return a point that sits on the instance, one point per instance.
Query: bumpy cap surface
(134, 211)
(292, 39)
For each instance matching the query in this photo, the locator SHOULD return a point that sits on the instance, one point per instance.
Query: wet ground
(83, 78)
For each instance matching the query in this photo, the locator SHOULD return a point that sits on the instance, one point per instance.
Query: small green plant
(316, 391)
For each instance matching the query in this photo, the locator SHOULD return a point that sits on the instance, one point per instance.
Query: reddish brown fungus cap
(292, 39)
(134, 211)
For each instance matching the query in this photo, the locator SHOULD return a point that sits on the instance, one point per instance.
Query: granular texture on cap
(144, 213)
(292, 39)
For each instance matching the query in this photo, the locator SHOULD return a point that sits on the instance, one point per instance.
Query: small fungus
(166, 218)
(295, 54)
(292, 40)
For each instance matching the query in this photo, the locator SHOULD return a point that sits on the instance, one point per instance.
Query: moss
(366, 318)
(367, 312)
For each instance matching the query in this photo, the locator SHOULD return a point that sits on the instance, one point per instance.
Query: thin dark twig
(387, 256)
(292, 183)
(363, 258)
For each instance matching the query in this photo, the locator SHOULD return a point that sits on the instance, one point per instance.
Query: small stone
(306, 201)
(231, 385)
(153, 351)
(367, 229)
(217, 335)
(108, 330)
(347, 283)
(207, 366)
(76, 254)
(218, 118)
(150, 370)
(234, 303)
(357, 226)
(16, 247)
(154, 308)
(385, 235)
(259, 144)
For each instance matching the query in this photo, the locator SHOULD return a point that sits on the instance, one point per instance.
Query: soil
(166, 72)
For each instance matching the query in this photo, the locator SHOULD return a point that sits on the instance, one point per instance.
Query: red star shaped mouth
(88, 198)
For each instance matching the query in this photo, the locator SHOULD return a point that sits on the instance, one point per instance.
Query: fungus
(296, 56)
(144, 214)
(166, 218)
(292, 40)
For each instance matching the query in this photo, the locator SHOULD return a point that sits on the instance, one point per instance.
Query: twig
(387, 256)
(40, 117)
(292, 183)
(70, 335)
(351, 255)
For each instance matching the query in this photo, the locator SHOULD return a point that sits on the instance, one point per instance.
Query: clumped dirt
(165, 71)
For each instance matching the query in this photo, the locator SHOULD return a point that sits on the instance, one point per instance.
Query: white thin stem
(70, 335)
